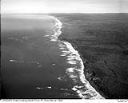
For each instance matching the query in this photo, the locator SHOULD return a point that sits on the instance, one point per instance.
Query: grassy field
(102, 40)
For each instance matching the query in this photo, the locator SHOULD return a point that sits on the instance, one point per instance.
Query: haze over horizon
(64, 6)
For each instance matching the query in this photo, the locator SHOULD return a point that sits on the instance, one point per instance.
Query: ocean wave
(76, 72)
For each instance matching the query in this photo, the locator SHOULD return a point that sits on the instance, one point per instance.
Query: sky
(64, 6)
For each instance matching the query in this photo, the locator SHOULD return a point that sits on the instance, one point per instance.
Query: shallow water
(76, 70)
(35, 64)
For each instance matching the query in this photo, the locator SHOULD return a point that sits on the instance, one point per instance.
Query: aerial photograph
(64, 49)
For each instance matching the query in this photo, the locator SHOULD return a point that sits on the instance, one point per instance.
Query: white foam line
(71, 62)
(62, 55)
(70, 69)
(57, 29)
(74, 58)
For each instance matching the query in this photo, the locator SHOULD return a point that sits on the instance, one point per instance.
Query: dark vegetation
(102, 41)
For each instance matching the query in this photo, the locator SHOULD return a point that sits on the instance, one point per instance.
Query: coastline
(105, 60)
(81, 84)
(86, 71)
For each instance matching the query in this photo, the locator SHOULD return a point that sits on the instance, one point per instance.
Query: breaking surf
(76, 70)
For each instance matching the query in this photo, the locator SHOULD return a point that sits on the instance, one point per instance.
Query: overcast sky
(64, 6)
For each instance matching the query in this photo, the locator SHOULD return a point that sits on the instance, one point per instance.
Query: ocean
(36, 64)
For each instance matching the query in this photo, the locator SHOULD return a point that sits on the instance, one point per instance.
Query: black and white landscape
(66, 53)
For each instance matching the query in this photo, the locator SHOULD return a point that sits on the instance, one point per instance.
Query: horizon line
(71, 13)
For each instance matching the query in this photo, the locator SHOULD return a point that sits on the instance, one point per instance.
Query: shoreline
(87, 72)
(85, 69)
(93, 94)
(92, 77)
(102, 45)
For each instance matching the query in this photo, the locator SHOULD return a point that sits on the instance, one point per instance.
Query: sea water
(76, 72)
(36, 64)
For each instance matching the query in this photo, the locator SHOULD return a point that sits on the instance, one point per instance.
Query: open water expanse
(36, 64)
